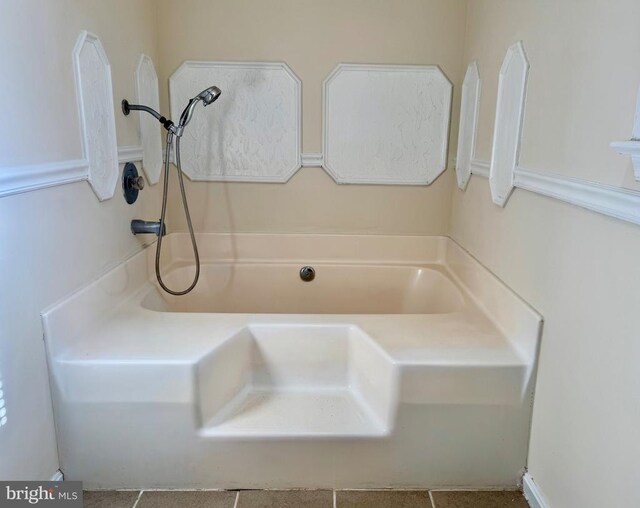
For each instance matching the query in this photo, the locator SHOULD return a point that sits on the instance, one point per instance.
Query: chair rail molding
(468, 124)
(505, 173)
(31, 177)
(94, 94)
(507, 133)
(91, 70)
(252, 133)
(312, 160)
(130, 153)
(149, 128)
(618, 202)
(480, 168)
(386, 124)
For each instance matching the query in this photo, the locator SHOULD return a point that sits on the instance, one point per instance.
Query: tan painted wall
(578, 268)
(312, 37)
(53, 241)
(582, 86)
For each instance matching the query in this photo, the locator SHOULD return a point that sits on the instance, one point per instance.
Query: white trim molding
(468, 124)
(150, 132)
(252, 133)
(632, 146)
(130, 153)
(94, 94)
(89, 58)
(386, 124)
(31, 177)
(532, 493)
(505, 173)
(480, 168)
(26, 178)
(57, 476)
(618, 202)
(312, 160)
(507, 133)
(632, 149)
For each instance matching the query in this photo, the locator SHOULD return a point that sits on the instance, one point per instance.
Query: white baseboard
(57, 476)
(532, 493)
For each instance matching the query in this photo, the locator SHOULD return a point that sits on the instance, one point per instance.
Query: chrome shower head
(207, 96)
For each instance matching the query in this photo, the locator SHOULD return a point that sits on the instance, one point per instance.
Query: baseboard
(532, 493)
(57, 476)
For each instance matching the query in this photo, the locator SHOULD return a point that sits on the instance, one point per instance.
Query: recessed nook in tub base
(285, 392)
(293, 381)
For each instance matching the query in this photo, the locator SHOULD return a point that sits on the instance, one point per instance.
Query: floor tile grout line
(137, 499)
(429, 492)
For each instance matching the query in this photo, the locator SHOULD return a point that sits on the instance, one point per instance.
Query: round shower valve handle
(132, 182)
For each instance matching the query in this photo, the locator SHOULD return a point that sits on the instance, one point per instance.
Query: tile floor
(305, 498)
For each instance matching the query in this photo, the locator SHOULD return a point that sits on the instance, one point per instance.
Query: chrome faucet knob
(137, 182)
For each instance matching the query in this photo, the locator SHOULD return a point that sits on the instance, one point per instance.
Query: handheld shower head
(207, 96)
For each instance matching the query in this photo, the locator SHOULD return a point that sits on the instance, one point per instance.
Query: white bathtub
(276, 288)
(404, 363)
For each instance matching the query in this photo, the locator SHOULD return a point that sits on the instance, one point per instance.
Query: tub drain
(307, 273)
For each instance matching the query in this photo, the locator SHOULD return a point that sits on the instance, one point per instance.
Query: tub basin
(276, 288)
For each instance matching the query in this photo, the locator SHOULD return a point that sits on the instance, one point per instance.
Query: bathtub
(403, 363)
(276, 288)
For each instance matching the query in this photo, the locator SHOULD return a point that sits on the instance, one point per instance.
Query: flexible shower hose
(186, 212)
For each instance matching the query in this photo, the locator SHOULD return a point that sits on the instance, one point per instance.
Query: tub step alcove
(435, 347)
(296, 381)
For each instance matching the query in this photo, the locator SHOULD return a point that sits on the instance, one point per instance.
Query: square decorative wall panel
(97, 120)
(252, 133)
(507, 133)
(150, 129)
(468, 123)
(386, 124)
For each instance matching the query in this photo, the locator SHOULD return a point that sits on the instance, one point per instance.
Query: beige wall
(53, 241)
(578, 268)
(312, 37)
(582, 86)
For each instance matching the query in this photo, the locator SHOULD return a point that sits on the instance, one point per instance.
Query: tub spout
(143, 227)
